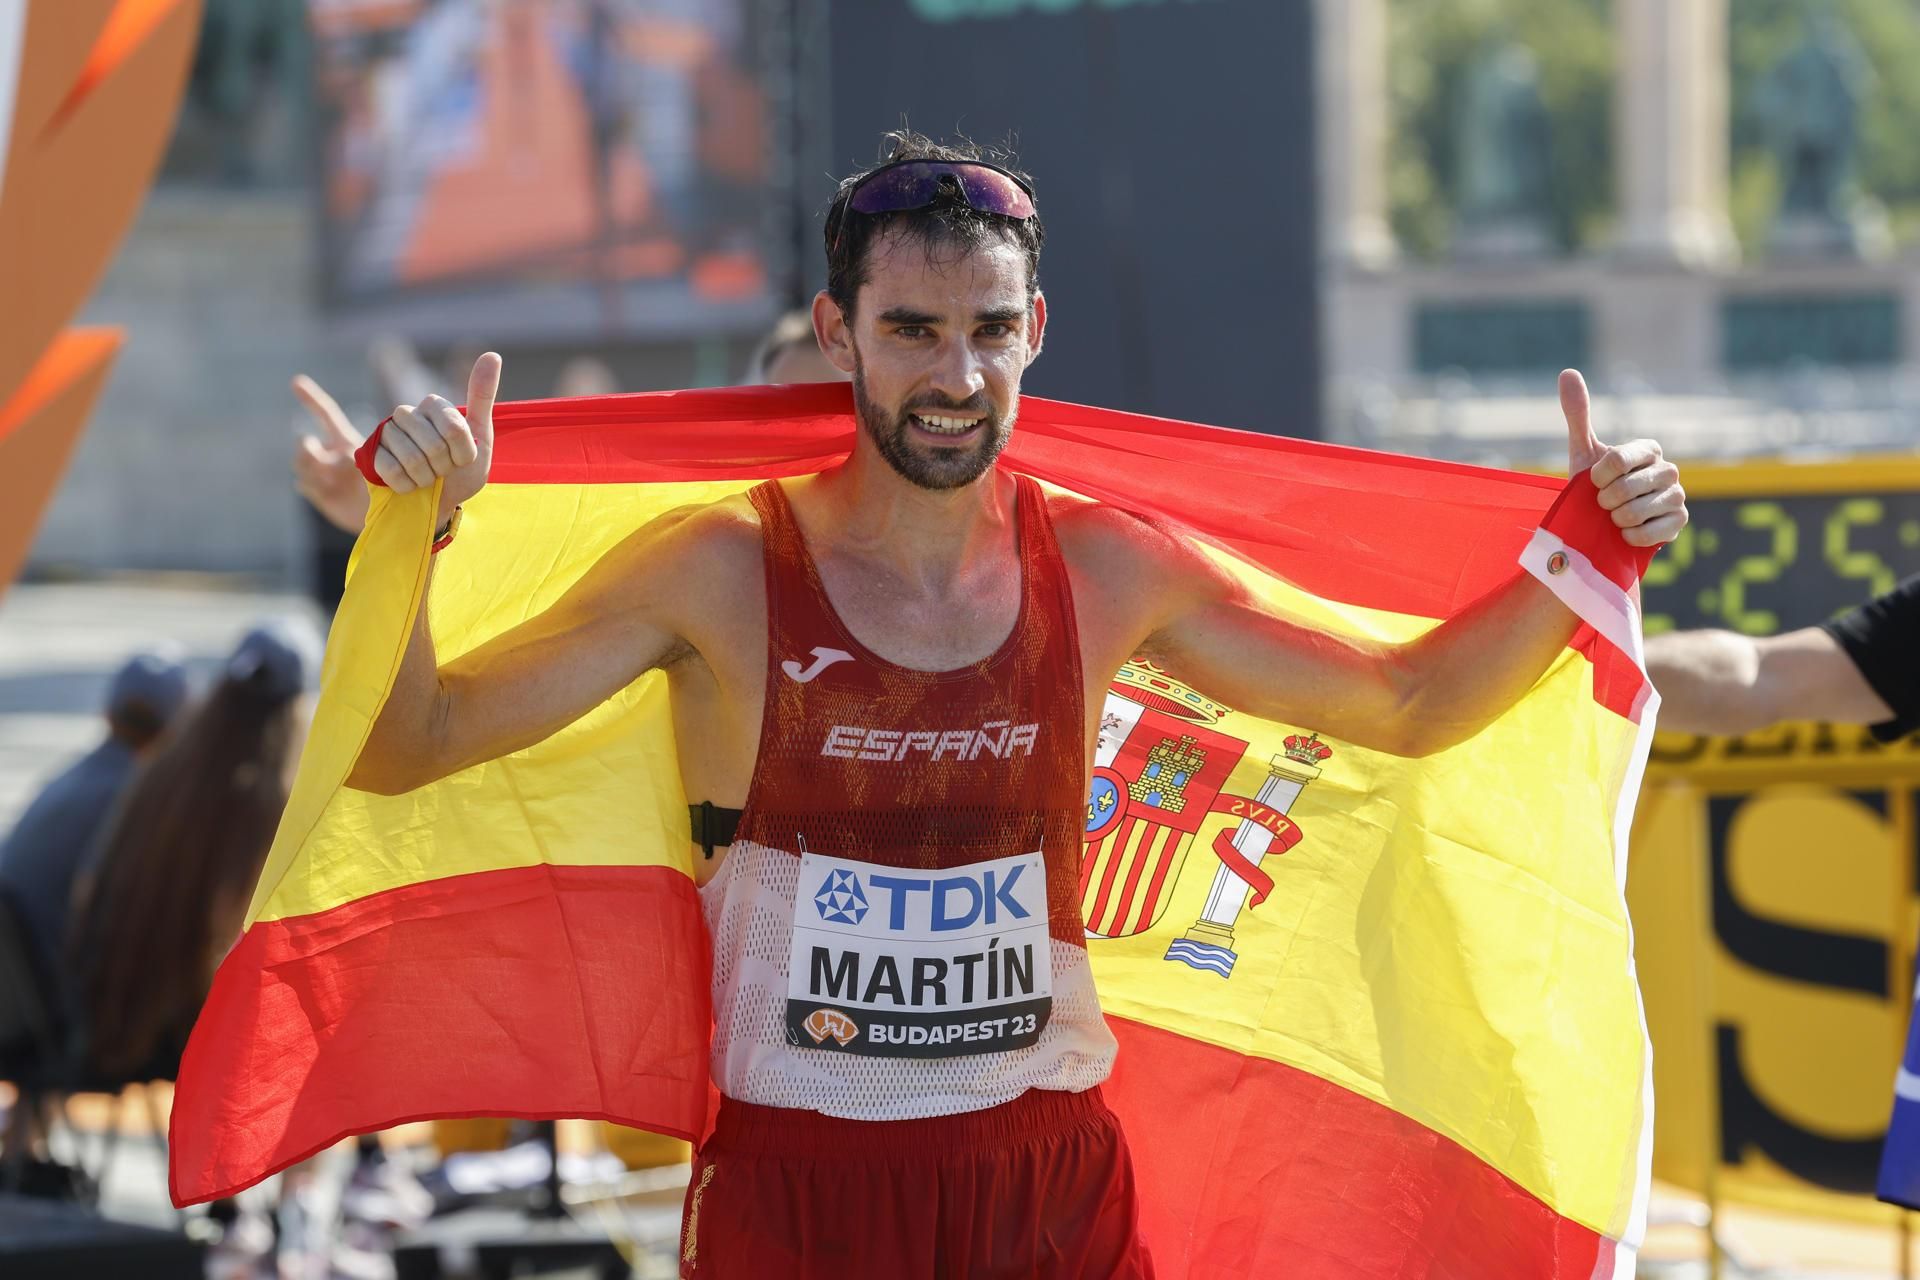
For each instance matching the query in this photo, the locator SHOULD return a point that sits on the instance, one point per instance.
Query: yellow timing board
(1776, 545)
(1773, 880)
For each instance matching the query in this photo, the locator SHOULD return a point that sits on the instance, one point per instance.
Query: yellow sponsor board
(1773, 876)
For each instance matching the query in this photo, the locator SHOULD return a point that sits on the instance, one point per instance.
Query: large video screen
(550, 168)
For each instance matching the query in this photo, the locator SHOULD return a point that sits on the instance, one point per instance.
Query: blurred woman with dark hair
(170, 880)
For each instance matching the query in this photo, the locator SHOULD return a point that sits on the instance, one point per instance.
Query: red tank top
(920, 768)
(897, 929)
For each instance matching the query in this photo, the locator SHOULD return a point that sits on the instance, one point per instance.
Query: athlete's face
(936, 348)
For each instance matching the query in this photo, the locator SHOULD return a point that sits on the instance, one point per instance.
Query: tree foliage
(1431, 46)
(1888, 33)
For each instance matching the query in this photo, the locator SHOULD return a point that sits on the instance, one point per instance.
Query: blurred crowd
(128, 877)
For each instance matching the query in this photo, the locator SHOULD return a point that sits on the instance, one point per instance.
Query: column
(1670, 131)
(1353, 115)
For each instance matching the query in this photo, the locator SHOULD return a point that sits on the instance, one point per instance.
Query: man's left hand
(1636, 482)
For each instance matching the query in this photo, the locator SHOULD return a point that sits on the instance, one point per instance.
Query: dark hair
(135, 723)
(949, 221)
(173, 868)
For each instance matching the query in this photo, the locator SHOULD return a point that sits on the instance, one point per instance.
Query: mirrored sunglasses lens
(914, 186)
(993, 192)
(907, 187)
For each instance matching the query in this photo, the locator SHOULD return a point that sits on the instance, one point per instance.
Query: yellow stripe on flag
(604, 791)
(1427, 931)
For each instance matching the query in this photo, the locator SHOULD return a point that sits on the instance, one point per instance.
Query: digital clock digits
(1747, 561)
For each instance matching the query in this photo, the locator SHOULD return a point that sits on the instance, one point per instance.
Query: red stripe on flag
(1097, 918)
(1348, 524)
(1248, 1168)
(1088, 858)
(1409, 535)
(1168, 852)
(581, 988)
(1151, 845)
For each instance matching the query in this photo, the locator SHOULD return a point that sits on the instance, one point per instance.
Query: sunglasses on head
(915, 184)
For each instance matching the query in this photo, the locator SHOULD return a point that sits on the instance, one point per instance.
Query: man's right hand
(434, 439)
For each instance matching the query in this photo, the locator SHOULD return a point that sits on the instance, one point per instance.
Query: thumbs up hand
(434, 439)
(1636, 482)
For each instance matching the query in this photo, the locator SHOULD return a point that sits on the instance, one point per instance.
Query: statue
(1502, 139)
(1809, 104)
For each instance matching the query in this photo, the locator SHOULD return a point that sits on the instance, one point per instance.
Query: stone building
(1458, 356)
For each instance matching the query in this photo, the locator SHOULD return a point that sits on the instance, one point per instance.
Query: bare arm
(1720, 682)
(615, 624)
(1407, 699)
(1426, 694)
(624, 617)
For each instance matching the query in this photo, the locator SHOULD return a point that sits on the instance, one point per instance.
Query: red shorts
(1040, 1186)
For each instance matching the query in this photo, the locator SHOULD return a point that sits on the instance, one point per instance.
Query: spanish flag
(1377, 1016)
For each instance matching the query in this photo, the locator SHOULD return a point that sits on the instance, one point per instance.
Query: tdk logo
(841, 899)
(957, 900)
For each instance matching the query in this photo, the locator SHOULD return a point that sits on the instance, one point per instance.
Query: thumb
(483, 386)
(1583, 447)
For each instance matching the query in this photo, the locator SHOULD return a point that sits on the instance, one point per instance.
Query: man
(1861, 668)
(917, 586)
(47, 849)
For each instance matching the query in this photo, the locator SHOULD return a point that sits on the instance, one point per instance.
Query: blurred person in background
(585, 376)
(165, 896)
(166, 891)
(48, 847)
(791, 353)
(1860, 668)
(323, 469)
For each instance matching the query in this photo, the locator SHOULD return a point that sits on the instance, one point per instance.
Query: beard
(929, 466)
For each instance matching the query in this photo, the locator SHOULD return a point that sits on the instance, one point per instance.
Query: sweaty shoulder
(690, 544)
(683, 568)
(697, 568)
(1131, 572)
(1117, 545)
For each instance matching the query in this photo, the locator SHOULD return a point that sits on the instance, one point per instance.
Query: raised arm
(618, 622)
(1425, 694)
(621, 619)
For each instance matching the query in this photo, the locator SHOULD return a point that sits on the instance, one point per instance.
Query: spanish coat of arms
(1160, 768)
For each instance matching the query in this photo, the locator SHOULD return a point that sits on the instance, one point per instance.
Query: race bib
(907, 963)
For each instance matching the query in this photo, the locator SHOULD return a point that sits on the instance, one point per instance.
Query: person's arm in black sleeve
(1859, 669)
(1882, 637)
